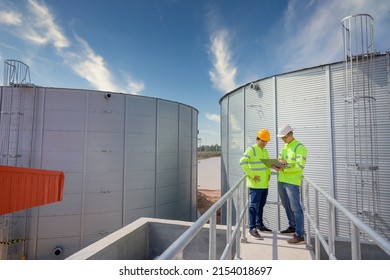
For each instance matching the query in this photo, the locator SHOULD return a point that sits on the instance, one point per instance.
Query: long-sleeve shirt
(252, 166)
(294, 153)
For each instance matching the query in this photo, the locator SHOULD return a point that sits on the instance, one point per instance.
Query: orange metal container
(22, 188)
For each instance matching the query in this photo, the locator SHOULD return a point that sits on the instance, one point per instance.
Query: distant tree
(209, 148)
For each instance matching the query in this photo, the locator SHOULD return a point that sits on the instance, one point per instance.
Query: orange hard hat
(263, 134)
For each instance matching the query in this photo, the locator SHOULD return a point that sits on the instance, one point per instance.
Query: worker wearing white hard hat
(293, 156)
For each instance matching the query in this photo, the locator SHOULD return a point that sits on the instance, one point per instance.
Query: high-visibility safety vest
(252, 165)
(294, 153)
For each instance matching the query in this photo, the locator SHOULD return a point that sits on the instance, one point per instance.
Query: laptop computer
(269, 161)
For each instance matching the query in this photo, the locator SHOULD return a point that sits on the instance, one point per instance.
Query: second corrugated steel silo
(312, 101)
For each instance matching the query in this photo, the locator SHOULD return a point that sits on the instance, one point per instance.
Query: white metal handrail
(356, 225)
(242, 203)
(240, 190)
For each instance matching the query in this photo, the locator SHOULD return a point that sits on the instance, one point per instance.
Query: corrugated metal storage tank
(312, 101)
(124, 157)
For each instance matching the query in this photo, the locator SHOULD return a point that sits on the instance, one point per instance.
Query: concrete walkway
(273, 247)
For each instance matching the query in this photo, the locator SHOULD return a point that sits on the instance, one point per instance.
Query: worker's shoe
(263, 228)
(255, 234)
(288, 230)
(296, 240)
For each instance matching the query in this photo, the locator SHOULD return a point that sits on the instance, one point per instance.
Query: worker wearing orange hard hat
(257, 180)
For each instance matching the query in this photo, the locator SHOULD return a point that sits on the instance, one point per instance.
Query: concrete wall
(147, 238)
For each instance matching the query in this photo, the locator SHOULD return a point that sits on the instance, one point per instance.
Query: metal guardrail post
(330, 231)
(213, 237)
(244, 204)
(307, 202)
(238, 214)
(355, 243)
(317, 220)
(229, 222)
(238, 245)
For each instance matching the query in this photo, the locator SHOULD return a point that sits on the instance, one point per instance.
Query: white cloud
(312, 30)
(10, 18)
(223, 72)
(213, 117)
(42, 29)
(132, 86)
(91, 67)
(38, 26)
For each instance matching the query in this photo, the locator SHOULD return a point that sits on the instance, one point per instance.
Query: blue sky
(189, 51)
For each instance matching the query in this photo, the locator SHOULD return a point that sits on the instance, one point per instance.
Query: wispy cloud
(38, 26)
(132, 86)
(213, 117)
(223, 72)
(91, 67)
(10, 18)
(42, 28)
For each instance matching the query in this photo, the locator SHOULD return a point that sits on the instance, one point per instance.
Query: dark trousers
(258, 199)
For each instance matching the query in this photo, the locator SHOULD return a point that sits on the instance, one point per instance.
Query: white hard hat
(284, 130)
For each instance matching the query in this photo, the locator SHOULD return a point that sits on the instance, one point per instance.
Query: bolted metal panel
(132, 215)
(235, 134)
(140, 199)
(194, 164)
(260, 113)
(339, 140)
(167, 159)
(70, 205)
(184, 162)
(224, 150)
(302, 102)
(96, 223)
(53, 227)
(140, 155)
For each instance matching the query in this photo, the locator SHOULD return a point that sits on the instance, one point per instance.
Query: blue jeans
(258, 199)
(291, 201)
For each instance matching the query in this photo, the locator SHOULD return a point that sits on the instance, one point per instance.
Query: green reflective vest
(252, 165)
(294, 153)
